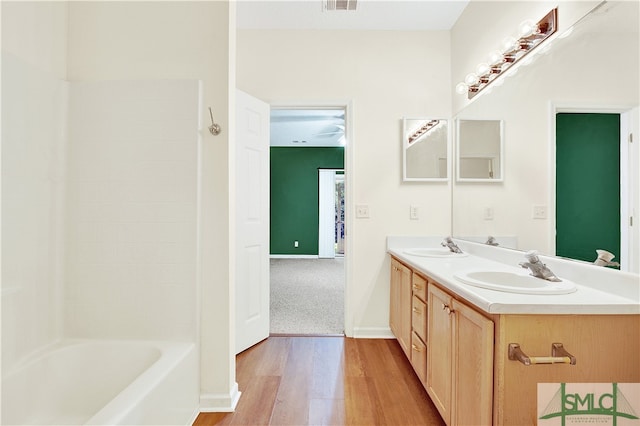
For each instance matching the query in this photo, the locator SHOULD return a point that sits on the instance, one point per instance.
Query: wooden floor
(326, 381)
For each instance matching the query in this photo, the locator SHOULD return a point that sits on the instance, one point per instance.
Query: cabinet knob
(416, 310)
(416, 287)
(447, 309)
(416, 348)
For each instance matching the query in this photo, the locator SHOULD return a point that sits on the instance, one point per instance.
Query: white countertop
(600, 291)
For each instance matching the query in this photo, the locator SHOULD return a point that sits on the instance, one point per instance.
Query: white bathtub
(103, 382)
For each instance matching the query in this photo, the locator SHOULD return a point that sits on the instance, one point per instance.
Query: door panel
(252, 221)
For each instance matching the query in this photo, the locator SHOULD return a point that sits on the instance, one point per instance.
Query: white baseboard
(373, 333)
(220, 403)
(293, 256)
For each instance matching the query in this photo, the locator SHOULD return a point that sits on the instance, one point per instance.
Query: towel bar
(559, 355)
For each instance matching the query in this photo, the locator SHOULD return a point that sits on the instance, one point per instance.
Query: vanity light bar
(513, 50)
(422, 130)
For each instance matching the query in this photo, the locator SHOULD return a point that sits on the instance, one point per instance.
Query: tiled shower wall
(34, 116)
(131, 216)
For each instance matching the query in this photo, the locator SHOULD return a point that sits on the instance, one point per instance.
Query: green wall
(294, 196)
(587, 185)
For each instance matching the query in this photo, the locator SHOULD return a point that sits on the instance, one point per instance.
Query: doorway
(595, 192)
(587, 184)
(308, 191)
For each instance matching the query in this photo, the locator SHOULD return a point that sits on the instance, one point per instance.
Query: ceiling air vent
(340, 4)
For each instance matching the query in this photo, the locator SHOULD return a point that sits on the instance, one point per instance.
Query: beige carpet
(307, 296)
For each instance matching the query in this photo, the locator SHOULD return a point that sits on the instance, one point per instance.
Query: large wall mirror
(479, 150)
(594, 69)
(425, 147)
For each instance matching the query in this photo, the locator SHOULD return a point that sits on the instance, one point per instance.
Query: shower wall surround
(34, 117)
(99, 198)
(131, 219)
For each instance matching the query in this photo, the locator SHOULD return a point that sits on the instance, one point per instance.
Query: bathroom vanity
(480, 353)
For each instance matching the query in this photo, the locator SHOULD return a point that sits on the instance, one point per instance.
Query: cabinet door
(439, 350)
(400, 309)
(472, 367)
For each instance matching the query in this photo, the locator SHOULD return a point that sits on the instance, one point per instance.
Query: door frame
(626, 175)
(349, 149)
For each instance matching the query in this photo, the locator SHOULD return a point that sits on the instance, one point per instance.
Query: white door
(252, 221)
(326, 213)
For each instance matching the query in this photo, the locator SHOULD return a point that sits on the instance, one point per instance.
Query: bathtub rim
(172, 353)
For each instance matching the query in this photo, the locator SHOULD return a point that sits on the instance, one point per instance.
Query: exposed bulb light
(527, 28)
(482, 68)
(461, 88)
(471, 79)
(509, 44)
(495, 57)
(512, 50)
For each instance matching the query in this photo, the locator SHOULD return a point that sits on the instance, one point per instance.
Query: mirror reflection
(594, 70)
(479, 150)
(425, 149)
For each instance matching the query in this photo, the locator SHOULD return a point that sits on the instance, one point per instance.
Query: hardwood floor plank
(327, 381)
(328, 368)
(257, 411)
(361, 404)
(325, 412)
(292, 400)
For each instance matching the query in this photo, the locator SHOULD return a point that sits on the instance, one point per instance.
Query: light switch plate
(539, 212)
(414, 213)
(362, 211)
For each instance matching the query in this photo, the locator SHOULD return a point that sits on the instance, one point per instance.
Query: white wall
(34, 106)
(131, 211)
(387, 75)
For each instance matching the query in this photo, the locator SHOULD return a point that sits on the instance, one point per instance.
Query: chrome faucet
(605, 259)
(448, 242)
(491, 241)
(538, 269)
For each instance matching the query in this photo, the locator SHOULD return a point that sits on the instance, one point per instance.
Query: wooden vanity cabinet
(450, 346)
(460, 354)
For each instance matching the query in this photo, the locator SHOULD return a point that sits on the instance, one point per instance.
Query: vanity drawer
(419, 357)
(419, 318)
(419, 286)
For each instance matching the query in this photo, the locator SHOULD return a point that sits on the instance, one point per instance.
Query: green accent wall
(587, 185)
(294, 196)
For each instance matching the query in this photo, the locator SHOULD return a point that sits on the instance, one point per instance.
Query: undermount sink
(433, 252)
(514, 282)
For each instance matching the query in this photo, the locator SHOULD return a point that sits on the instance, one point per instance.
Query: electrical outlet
(362, 211)
(295, 243)
(539, 212)
(413, 213)
(488, 213)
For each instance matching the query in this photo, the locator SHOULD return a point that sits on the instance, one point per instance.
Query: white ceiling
(411, 15)
(319, 127)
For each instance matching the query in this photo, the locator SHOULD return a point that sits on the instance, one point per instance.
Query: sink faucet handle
(532, 256)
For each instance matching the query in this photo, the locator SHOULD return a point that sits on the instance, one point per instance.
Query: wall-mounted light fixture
(423, 129)
(531, 35)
